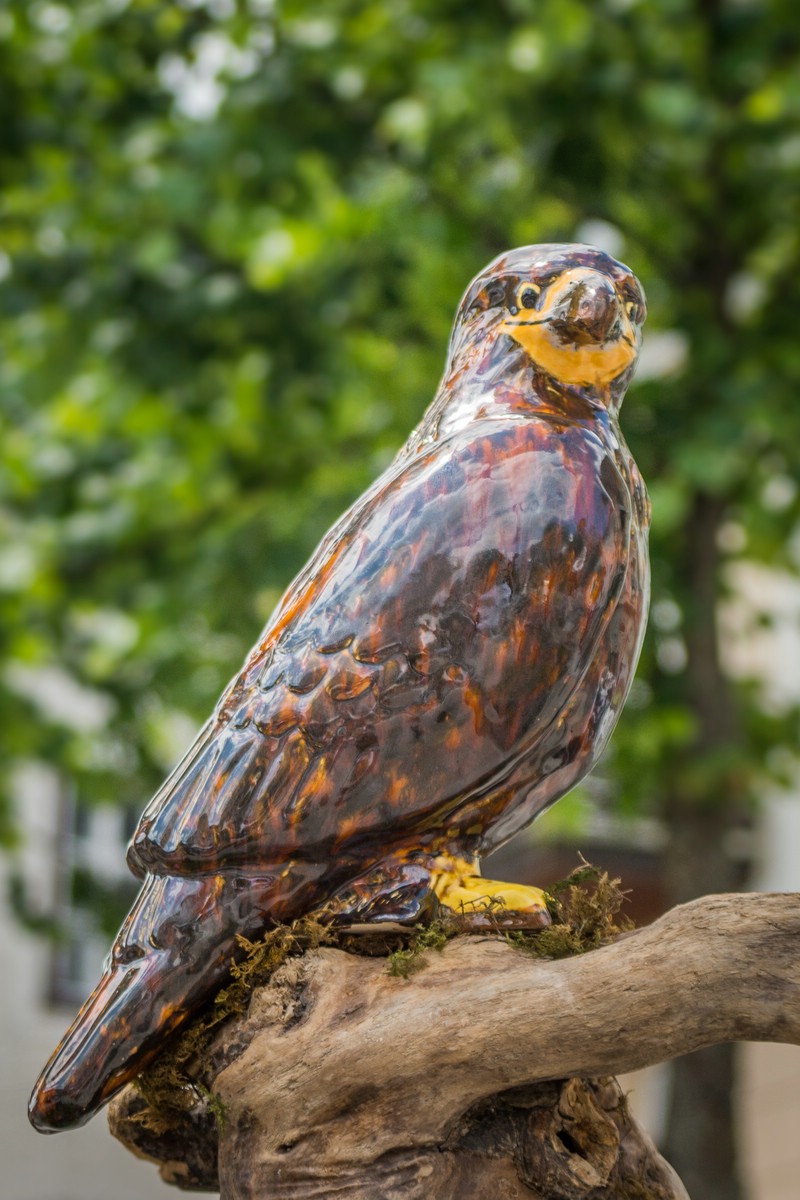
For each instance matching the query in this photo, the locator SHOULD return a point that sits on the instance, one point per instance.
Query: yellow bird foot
(476, 903)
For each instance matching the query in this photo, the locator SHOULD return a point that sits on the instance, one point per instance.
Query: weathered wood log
(343, 1081)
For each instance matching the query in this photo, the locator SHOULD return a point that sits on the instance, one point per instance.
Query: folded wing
(442, 625)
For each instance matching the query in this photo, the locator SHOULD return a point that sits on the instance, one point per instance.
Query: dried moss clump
(173, 1085)
(584, 909)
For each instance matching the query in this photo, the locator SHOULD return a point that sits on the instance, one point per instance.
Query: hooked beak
(588, 311)
(579, 332)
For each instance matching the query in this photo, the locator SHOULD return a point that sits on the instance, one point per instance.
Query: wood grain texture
(343, 1081)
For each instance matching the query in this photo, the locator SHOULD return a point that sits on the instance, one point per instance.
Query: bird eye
(528, 294)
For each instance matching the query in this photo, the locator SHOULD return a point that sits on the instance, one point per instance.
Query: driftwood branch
(343, 1081)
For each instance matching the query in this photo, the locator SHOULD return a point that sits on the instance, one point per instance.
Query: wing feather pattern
(439, 630)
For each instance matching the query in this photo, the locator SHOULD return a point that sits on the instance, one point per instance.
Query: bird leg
(397, 889)
(413, 890)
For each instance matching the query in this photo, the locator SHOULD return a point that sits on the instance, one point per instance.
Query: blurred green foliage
(233, 239)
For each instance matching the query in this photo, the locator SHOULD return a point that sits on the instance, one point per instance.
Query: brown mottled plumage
(451, 661)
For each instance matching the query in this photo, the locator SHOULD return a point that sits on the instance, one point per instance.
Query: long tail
(173, 951)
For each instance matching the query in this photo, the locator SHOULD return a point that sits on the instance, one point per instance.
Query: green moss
(216, 1106)
(408, 960)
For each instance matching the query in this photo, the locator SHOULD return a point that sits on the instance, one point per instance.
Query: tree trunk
(700, 1137)
(702, 1131)
(341, 1080)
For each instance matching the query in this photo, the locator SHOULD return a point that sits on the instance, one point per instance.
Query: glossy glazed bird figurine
(451, 661)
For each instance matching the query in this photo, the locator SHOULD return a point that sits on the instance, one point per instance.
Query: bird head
(574, 311)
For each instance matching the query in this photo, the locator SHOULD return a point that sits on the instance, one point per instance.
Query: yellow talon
(459, 886)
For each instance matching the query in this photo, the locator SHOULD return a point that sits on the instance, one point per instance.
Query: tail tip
(50, 1110)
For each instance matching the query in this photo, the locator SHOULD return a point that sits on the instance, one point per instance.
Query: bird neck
(490, 376)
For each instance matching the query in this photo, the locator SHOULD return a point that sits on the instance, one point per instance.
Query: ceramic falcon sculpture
(451, 661)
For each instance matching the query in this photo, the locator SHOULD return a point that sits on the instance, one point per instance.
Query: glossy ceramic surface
(452, 660)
